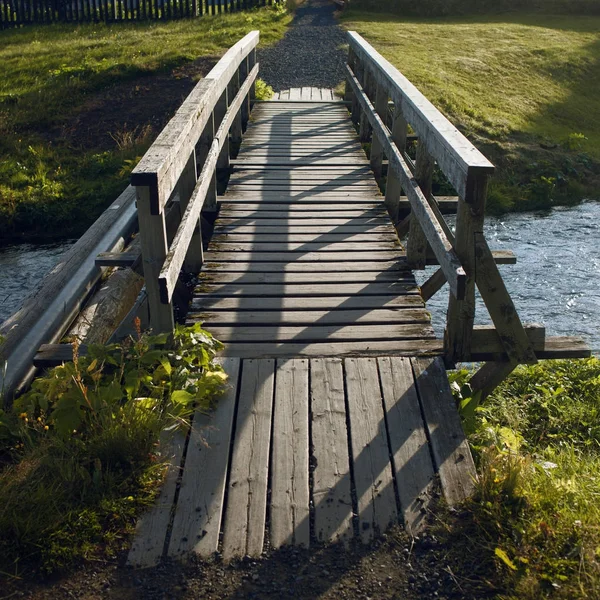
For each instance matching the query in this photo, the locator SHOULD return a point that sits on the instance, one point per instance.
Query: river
(556, 280)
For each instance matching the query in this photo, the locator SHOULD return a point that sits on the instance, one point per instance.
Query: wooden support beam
(488, 340)
(435, 283)
(489, 376)
(500, 305)
(393, 189)
(416, 249)
(381, 100)
(436, 237)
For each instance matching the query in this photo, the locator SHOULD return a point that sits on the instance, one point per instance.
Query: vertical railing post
(416, 250)
(251, 63)
(461, 313)
(153, 238)
(381, 108)
(245, 109)
(365, 127)
(202, 149)
(236, 126)
(393, 189)
(194, 257)
(219, 114)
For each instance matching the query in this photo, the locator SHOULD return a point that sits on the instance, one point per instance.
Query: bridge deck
(304, 260)
(323, 446)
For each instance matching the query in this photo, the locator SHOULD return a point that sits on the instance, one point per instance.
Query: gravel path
(311, 52)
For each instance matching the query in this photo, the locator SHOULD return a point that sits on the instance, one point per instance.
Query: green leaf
(504, 558)
(181, 397)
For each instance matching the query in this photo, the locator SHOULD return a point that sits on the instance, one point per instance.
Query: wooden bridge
(339, 419)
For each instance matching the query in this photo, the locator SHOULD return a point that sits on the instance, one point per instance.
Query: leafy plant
(263, 90)
(80, 450)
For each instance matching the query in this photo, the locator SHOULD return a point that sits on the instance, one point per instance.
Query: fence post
(194, 257)
(381, 108)
(202, 149)
(461, 313)
(219, 114)
(393, 188)
(416, 251)
(365, 127)
(251, 63)
(245, 108)
(236, 126)
(153, 238)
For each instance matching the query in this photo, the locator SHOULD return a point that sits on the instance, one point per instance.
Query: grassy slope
(51, 184)
(519, 85)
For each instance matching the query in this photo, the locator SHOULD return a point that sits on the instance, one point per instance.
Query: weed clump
(80, 451)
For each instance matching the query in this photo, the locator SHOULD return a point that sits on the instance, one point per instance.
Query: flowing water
(556, 280)
(21, 268)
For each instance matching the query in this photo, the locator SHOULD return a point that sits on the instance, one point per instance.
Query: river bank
(522, 86)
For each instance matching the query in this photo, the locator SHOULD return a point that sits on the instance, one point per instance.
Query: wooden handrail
(195, 140)
(179, 247)
(459, 160)
(464, 257)
(433, 229)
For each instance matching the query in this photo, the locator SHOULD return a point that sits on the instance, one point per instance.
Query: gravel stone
(312, 52)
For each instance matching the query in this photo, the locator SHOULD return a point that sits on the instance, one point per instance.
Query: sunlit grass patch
(523, 87)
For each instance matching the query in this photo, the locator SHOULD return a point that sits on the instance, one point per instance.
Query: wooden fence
(180, 169)
(14, 13)
(464, 258)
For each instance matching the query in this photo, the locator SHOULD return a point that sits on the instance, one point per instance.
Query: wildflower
(45, 427)
(23, 415)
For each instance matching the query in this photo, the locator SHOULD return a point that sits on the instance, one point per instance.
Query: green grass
(533, 529)
(522, 87)
(80, 456)
(54, 183)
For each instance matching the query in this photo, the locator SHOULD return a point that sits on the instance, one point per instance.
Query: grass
(533, 529)
(521, 86)
(79, 453)
(58, 167)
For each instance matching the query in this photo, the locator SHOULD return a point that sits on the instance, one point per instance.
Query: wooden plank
(306, 256)
(417, 347)
(284, 278)
(304, 267)
(319, 333)
(151, 530)
(250, 239)
(197, 520)
(203, 303)
(118, 259)
(247, 488)
(290, 519)
(373, 479)
(304, 247)
(306, 290)
(310, 317)
(411, 457)
(267, 228)
(449, 446)
(261, 210)
(332, 498)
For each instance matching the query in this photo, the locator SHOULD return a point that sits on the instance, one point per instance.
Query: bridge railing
(179, 172)
(464, 257)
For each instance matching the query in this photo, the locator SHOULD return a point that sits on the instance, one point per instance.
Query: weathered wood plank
(197, 520)
(331, 247)
(208, 302)
(449, 446)
(319, 333)
(284, 278)
(310, 317)
(151, 530)
(290, 519)
(373, 479)
(247, 489)
(411, 458)
(331, 475)
(233, 237)
(307, 256)
(297, 289)
(304, 267)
